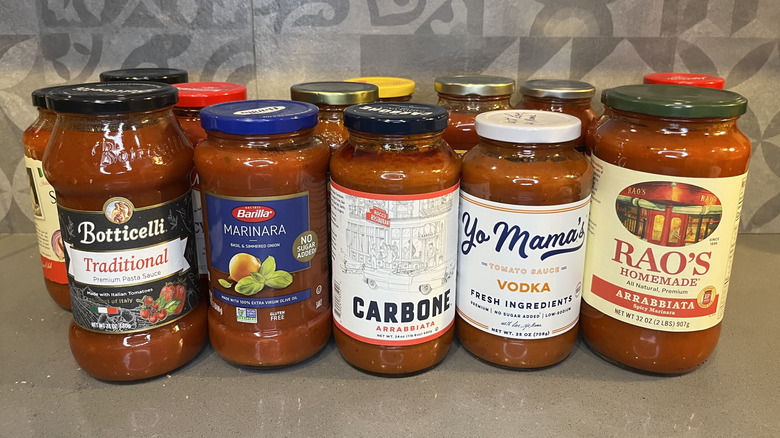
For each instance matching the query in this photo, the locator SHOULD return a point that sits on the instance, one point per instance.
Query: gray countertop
(735, 393)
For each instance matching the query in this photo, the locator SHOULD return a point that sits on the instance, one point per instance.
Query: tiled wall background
(270, 45)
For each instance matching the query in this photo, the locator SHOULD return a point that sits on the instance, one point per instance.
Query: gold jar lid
(481, 85)
(557, 88)
(334, 93)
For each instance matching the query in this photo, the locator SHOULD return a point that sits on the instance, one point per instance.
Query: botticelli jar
(390, 89)
(465, 96)
(525, 194)
(670, 167)
(264, 186)
(164, 75)
(394, 232)
(121, 167)
(332, 98)
(568, 97)
(691, 79)
(193, 97)
(44, 202)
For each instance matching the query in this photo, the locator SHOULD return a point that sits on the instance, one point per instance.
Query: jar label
(47, 224)
(520, 266)
(130, 269)
(256, 244)
(394, 260)
(200, 235)
(660, 247)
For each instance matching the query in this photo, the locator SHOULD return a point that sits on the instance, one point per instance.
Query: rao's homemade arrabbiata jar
(264, 182)
(670, 167)
(120, 167)
(394, 188)
(525, 193)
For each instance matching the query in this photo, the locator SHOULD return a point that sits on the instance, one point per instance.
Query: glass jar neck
(584, 102)
(284, 141)
(113, 122)
(670, 123)
(45, 120)
(189, 112)
(395, 143)
(474, 102)
(528, 148)
(331, 112)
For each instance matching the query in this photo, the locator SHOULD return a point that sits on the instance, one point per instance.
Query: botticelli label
(660, 247)
(129, 268)
(520, 267)
(47, 224)
(394, 261)
(256, 244)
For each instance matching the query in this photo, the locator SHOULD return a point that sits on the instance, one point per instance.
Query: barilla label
(394, 264)
(130, 269)
(660, 247)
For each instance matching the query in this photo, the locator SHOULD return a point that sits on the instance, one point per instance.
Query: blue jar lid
(259, 117)
(395, 118)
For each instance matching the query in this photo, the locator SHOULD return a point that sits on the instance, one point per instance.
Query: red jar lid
(691, 79)
(203, 94)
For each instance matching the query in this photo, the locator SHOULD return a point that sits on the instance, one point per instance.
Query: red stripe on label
(652, 305)
(54, 270)
(372, 341)
(386, 197)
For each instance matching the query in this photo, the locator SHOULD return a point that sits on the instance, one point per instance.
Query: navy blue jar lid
(395, 118)
(259, 117)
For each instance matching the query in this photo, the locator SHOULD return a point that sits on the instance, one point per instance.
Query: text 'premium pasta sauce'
(394, 231)
(121, 168)
(670, 167)
(264, 186)
(525, 194)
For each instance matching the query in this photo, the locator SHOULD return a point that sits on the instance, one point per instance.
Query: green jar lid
(676, 101)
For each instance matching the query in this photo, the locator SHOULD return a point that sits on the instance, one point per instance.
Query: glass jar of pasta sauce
(465, 96)
(390, 89)
(264, 185)
(568, 97)
(163, 75)
(193, 97)
(525, 194)
(394, 231)
(332, 98)
(121, 168)
(691, 79)
(670, 167)
(44, 202)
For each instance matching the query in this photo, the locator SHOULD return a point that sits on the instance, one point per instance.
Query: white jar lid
(528, 126)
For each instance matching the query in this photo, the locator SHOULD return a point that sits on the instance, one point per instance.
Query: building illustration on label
(669, 213)
(398, 245)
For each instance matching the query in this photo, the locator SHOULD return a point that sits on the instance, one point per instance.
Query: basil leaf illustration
(279, 279)
(224, 283)
(172, 305)
(249, 286)
(268, 266)
(258, 277)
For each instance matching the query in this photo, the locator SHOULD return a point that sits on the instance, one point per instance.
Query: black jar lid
(395, 118)
(164, 75)
(111, 97)
(677, 101)
(334, 93)
(39, 96)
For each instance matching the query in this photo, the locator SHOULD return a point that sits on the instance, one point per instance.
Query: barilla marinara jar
(44, 202)
(163, 75)
(465, 96)
(524, 198)
(391, 89)
(332, 98)
(121, 167)
(194, 96)
(264, 186)
(394, 188)
(691, 79)
(563, 96)
(670, 167)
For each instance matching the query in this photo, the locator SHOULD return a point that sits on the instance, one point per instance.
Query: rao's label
(47, 224)
(256, 244)
(660, 247)
(130, 269)
(394, 260)
(520, 267)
